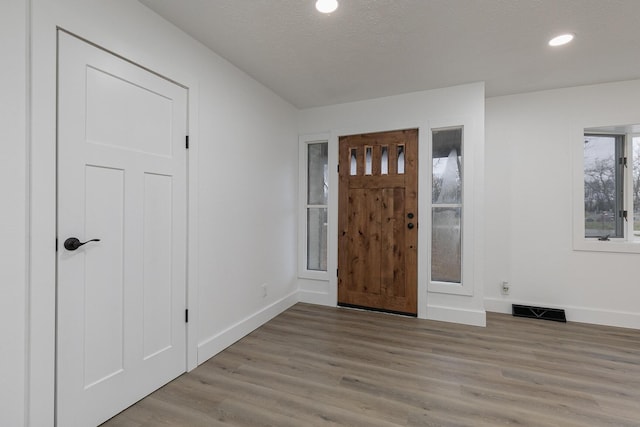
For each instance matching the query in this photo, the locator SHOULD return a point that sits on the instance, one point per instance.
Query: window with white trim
(604, 171)
(608, 218)
(317, 196)
(446, 206)
(635, 176)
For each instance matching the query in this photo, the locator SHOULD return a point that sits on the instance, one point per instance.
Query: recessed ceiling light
(561, 39)
(326, 6)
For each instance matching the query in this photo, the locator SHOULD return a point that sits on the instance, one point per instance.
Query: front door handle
(410, 225)
(72, 243)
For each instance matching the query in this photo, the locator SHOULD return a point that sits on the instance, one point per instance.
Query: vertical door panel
(158, 243)
(103, 279)
(393, 242)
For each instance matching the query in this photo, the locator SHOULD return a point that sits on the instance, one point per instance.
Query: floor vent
(555, 314)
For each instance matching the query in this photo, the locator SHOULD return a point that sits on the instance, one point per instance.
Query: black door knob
(410, 225)
(72, 243)
(410, 215)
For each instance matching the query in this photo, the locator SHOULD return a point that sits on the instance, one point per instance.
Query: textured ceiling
(374, 48)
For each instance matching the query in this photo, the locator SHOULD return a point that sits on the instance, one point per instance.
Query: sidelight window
(446, 206)
(316, 205)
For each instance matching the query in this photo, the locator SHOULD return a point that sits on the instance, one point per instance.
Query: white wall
(13, 214)
(460, 105)
(242, 198)
(530, 141)
(243, 174)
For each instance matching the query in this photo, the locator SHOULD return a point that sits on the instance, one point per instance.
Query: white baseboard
(574, 314)
(215, 344)
(499, 305)
(457, 315)
(318, 298)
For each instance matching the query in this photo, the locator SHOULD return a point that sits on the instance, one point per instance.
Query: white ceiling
(374, 48)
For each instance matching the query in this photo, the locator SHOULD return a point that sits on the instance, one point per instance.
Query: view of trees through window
(635, 164)
(605, 172)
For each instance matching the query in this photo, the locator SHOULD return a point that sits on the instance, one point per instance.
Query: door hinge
(623, 214)
(337, 272)
(186, 315)
(186, 142)
(338, 168)
(56, 244)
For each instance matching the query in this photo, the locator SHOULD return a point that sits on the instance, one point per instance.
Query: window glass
(400, 152)
(446, 256)
(603, 185)
(317, 186)
(446, 212)
(354, 162)
(447, 174)
(635, 164)
(317, 239)
(317, 199)
(384, 161)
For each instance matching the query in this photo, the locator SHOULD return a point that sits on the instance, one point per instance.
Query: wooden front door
(378, 221)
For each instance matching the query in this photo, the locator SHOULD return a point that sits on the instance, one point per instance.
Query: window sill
(449, 288)
(313, 275)
(613, 245)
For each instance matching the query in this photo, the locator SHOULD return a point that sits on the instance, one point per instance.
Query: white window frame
(303, 152)
(464, 287)
(627, 244)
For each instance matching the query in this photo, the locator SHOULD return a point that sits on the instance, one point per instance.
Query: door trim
(330, 298)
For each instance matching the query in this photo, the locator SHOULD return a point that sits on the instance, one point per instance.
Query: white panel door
(121, 330)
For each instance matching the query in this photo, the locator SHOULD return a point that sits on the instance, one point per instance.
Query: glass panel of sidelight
(446, 245)
(447, 166)
(317, 239)
(317, 183)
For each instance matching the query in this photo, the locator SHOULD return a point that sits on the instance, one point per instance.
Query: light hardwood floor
(316, 365)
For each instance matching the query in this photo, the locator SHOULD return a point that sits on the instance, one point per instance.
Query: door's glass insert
(400, 149)
(367, 157)
(354, 161)
(384, 160)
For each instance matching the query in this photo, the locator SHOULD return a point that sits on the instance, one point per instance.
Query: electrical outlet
(505, 288)
(264, 290)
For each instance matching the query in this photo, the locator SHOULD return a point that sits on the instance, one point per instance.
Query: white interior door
(121, 330)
